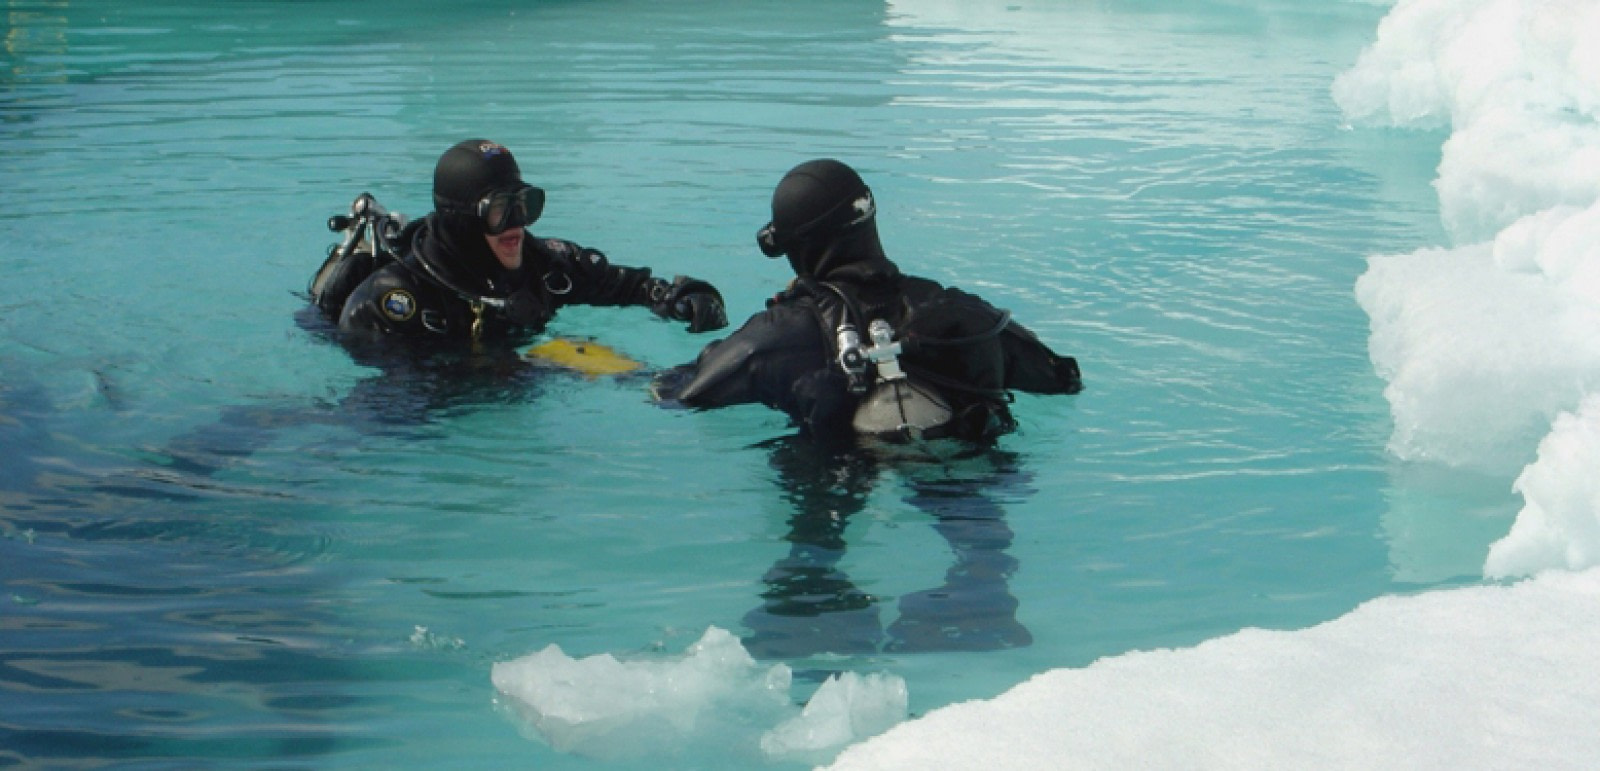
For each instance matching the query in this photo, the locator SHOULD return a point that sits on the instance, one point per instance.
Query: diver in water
(856, 350)
(470, 270)
(854, 347)
(440, 304)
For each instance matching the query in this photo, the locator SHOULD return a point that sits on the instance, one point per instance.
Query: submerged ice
(714, 694)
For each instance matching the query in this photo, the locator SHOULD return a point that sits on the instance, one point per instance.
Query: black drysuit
(430, 290)
(786, 356)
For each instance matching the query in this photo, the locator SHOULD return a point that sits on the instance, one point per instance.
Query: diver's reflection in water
(413, 388)
(811, 606)
(387, 405)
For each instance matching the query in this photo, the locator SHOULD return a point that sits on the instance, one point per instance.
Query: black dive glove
(691, 300)
(524, 308)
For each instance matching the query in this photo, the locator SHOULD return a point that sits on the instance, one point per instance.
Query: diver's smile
(507, 247)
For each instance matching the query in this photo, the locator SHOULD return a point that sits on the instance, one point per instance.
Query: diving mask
(503, 210)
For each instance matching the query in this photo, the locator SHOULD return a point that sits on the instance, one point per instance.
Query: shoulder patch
(398, 305)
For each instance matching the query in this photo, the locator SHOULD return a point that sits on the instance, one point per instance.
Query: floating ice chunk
(604, 707)
(847, 708)
(424, 639)
(713, 695)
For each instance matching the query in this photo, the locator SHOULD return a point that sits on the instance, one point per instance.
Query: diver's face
(507, 247)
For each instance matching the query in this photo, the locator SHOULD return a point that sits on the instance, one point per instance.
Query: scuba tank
(371, 240)
(369, 231)
(940, 374)
(895, 405)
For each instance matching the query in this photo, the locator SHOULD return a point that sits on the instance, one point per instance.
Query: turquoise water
(224, 542)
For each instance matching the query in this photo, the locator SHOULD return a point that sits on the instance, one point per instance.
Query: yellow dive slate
(585, 356)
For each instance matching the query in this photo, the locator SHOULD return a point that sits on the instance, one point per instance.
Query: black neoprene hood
(809, 193)
(471, 169)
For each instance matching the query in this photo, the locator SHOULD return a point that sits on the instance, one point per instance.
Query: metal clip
(885, 352)
(477, 320)
(851, 359)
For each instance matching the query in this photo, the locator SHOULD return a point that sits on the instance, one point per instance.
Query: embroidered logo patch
(398, 305)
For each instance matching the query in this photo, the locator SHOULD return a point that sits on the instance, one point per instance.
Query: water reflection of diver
(471, 270)
(811, 605)
(411, 391)
(862, 357)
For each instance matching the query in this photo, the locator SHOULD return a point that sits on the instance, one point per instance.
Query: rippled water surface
(224, 541)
